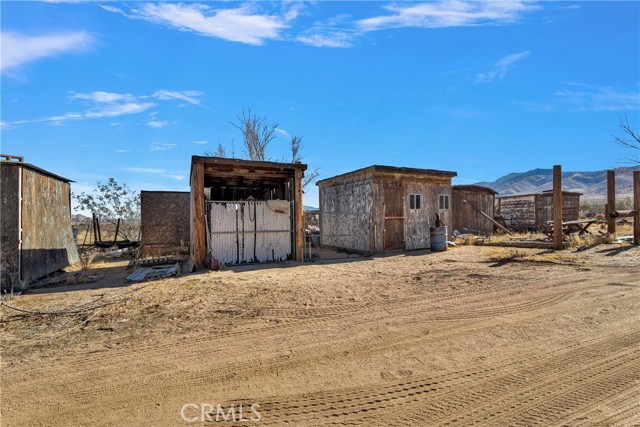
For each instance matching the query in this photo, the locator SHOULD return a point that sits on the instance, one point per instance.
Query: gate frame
(237, 173)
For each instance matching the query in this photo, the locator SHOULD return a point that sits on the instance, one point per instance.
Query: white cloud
(447, 14)
(243, 24)
(598, 98)
(190, 96)
(501, 67)
(156, 124)
(125, 150)
(200, 142)
(102, 97)
(19, 49)
(329, 39)
(175, 176)
(100, 104)
(156, 171)
(153, 171)
(157, 146)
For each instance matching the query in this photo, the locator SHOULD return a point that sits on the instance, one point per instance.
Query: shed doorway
(249, 231)
(393, 218)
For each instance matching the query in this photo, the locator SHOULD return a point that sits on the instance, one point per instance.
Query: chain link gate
(250, 231)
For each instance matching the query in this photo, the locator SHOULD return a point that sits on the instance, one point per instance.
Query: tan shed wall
(47, 238)
(164, 223)
(352, 210)
(534, 211)
(9, 231)
(465, 217)
(345, 213)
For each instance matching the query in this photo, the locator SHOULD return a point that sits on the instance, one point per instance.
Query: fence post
(557, 207)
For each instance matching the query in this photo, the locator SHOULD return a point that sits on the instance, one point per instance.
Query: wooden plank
(636, 207)
(557, 207)
(497, 224)
(198, 234)
(611, 200)
(393, 218)
(298, 215)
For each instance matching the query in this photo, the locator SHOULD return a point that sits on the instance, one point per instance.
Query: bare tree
(220, 152)
(629, 139)
(296, 145)
(257, 133)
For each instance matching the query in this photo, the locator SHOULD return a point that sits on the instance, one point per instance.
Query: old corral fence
(249, 231)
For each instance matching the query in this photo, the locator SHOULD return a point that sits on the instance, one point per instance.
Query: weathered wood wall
(535, 210)
(164, 223)
(345, 213)
(47, 239)
(464, 217)
(10, 226)
(570, 207)
(518, 211)
(418, 221)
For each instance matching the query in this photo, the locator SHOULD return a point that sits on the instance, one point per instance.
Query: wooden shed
(383, 207)
(36, 233)
(245, 211)
(467, 201)
(533, 211)
(164, 222)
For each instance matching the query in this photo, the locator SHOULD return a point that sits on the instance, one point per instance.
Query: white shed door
(250, 231)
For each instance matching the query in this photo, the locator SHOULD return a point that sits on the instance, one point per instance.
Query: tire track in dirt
(459, 390)
(150, 373)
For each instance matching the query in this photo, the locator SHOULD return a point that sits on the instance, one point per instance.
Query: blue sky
(131, 90)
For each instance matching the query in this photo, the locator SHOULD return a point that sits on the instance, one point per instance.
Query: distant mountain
(591, 184)
(78, 219)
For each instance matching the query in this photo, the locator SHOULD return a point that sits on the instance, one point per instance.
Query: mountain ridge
(591, 184)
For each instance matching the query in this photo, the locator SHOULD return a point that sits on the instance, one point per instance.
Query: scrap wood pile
(158, 268)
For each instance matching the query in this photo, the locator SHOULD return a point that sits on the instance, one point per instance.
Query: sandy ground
(472, 336)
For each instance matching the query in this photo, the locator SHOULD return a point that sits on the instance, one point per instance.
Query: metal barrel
(438, 237)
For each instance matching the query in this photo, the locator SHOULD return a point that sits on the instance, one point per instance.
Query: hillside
(591, 184)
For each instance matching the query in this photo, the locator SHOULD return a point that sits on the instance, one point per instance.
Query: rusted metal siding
(346, 213)
(464, 218)
(164, 222)
(47, 239)
(10, 231)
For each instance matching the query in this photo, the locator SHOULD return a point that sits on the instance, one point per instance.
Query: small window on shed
(444, 202)
(415, 201)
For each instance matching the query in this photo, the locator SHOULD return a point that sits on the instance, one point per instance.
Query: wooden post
(611, 201)
(198, 234)
(557, 207)
(636, 207)
(298, 214)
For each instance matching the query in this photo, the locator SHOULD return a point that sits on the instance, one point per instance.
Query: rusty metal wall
(9, 231)
(47, 238)
(164, 226)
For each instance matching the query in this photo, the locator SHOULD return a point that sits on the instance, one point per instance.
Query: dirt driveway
(472, 336)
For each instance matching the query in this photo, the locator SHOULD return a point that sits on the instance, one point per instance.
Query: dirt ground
(472, 336)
